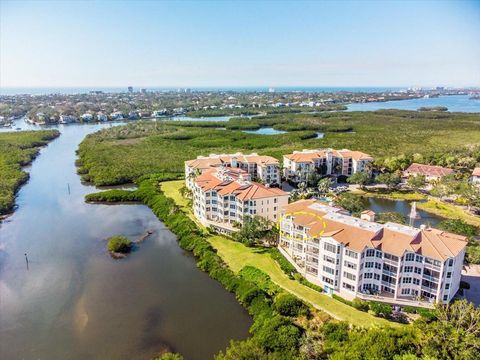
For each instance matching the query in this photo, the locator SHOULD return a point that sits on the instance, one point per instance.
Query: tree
(119, 244)
(324, 186)
(458, 226)
(389, 179)
(169, 356)
(360, 178)
(276, 333)
(416, 182)
(390, 217)
(254, 229)
(243, 350)
(351, 202)
(289, 305)
(455, 334)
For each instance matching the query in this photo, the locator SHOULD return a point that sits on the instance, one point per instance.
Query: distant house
(431, 172)
(86, 117)
(67, 119)
(117, 115)
(475, 178)
(102, 117)
(133, 115)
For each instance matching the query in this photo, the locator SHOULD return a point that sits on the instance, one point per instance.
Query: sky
(239, 43)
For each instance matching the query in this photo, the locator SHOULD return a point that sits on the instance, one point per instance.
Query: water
(265, 131)
(454, 103)
(75, 302)
(320, 135)
(403, 207)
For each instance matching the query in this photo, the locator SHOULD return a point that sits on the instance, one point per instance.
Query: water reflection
(75, 301)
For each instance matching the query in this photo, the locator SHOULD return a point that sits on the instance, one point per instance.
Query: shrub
(285, 265)
(289, 305)
(339, 298)
(360, 304)
(119, 244)
(169, 356)
(276, 333)
(380, 309)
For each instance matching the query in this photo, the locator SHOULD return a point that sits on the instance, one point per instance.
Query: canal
(74, 301)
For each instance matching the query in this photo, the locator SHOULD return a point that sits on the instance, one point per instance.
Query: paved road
(471, 274)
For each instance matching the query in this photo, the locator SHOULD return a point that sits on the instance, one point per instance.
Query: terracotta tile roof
(312, 155)
(391, 238)
(309, 156)
(428, 170)
(476, 172)
(211, 179)
(356, 155)
(217, 160)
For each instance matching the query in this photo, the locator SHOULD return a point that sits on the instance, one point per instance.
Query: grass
(448, 211)
(394, 195)
(237, 256)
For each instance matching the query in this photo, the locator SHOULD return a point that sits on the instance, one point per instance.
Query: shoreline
(37, 146)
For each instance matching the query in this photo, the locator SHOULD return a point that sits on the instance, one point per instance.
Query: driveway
(471, 274)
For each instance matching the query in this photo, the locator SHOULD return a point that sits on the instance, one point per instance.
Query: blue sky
(249, 43)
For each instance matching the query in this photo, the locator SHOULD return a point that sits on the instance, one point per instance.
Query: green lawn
(449, 211)
(237, 255)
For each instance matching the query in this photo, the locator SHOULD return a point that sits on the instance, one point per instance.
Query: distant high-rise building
(130, 89)
(271, 90)
(144, 91)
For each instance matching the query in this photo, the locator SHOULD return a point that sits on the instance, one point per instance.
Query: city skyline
(227, 44)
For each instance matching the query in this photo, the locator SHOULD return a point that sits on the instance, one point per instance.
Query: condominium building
(299, 165)
(260, 167)
(222, 197)
(354, 257)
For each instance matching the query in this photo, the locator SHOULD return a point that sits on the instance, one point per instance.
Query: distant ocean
(84, 90)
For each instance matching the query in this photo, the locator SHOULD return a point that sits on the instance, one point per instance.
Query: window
(407, 268)
(378, 266)
(449, 275)
(329, 259)
(348, 286)
(407, 280)
(330, 247)
(370, 252)
(376, 276)
(447, 286)
(349, 276)
(409, 257)
(351, 254)
(378, 254)
(350, 265)
(328, 270)
(369, 264)
(275, 200)
(405, 291)
(450, 262)
(368, 275)
(419, 258)
(418, 270)
(416, 281)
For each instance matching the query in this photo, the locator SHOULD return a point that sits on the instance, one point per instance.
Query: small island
(433, 108)
(119, 246)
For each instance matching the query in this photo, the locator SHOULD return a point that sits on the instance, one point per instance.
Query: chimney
(368, 215)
